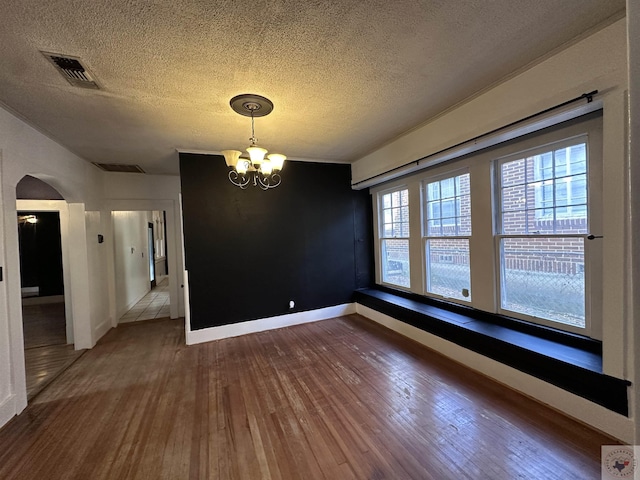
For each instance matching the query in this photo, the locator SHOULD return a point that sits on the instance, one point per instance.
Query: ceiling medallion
(255, 170)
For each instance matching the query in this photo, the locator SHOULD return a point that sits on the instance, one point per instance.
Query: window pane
(561, 162)
(542, 167)
(449, 208)
(433, 191)
(395, 262)
(433, 210)
(448, 271)
(394, 215)
(434, 228)
(578, 158)
(395, 199)
(544, 277)
(404, 197)
(555, 189)
(575, 189)
(514, 223)
(449, 201)
(464, 226)
(447, 188)
(541, 221)
(561, 192)
(395, 212)
(514, 198)
(512, 173)
(404, 214)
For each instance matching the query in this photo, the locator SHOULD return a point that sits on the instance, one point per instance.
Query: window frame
(381, 238)
(425, 180)
(588, 254)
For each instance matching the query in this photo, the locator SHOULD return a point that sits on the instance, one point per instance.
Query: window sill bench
(568, 361)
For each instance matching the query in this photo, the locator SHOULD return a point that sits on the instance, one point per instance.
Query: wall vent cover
(72, 70)
(118, 167)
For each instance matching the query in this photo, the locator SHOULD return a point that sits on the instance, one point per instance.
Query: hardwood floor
(44, 364)
(46, 351)
(44, 325)
(336, 399)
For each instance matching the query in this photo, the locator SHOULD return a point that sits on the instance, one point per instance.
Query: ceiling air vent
(118, 167)
(71, 69)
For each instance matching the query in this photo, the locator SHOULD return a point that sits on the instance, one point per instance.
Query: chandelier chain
(253, 134)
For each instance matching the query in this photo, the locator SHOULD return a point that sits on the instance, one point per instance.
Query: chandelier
(256, 170)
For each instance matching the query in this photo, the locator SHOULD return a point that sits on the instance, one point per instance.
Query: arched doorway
(47, 316)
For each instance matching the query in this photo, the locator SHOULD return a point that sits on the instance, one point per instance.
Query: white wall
(595, 63)
(131, 258)
(101, 316)
(24, 150)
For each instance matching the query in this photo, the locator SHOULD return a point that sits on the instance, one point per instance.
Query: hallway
(154, 304)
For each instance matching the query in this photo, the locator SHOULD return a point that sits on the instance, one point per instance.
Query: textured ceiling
(345, 76)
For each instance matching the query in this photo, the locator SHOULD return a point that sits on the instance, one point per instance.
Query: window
(447, 219)
(506, 230)
(394, 237)
(542, 224)
(560, 181)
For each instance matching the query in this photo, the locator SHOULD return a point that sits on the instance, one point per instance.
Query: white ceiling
(346, 76)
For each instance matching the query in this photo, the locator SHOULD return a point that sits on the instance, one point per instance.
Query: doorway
(140, 255)
(48, 348)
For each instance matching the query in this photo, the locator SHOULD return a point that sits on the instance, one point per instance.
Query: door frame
(62, 208)
(151, 241)
(174, 250)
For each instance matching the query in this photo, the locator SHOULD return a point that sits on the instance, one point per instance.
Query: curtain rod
(587, 96)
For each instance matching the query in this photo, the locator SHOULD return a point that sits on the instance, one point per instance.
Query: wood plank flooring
(336, 399)
(44, 364)
(44, 325)
(45, 342)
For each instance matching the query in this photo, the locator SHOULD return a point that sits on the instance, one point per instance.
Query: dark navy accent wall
(249, 252)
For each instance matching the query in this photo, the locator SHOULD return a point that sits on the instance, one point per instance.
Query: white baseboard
(7, 409)
(575, 406)
(253, 326)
